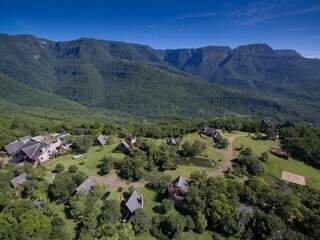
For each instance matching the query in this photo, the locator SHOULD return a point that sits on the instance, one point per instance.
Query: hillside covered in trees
(142, 81)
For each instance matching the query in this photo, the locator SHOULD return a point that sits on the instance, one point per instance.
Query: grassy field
(192, 236)
(276, 165)
(149, 200)
(90, 159)
(209, 152)
(204, 162)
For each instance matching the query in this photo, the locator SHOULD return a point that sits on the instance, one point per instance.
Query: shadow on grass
(198, 162)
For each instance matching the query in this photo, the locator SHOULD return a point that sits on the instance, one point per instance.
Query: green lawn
(276, 165)
(149, 200)
(193, 236)
(208, 159)
(91, 159)
(209, 152)
(185, 171)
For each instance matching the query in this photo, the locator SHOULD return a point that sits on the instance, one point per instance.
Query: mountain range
(105, 75)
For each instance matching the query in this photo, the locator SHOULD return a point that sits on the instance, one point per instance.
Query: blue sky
(291, 24)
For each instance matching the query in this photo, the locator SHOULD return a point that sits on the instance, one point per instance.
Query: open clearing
(207, 161)
(90, 160)
(275, 165)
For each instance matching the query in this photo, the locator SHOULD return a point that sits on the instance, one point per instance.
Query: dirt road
(227, 155)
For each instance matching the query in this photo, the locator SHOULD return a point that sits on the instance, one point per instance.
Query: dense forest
(303, 142)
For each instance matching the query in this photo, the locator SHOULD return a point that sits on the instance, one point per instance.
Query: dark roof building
(127, 145)
(178, 189)
(102, 140)
(135, 202)
(16, 146)
(33, 149)
(85, 188)
(19, 180)
(209, 131)
(266, 124)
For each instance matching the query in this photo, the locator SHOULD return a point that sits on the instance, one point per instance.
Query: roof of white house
(85, 188)
(182, 183)
(34, 149)
(134, 202)
(102, 139)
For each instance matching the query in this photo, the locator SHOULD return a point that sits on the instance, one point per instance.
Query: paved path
(227, 154)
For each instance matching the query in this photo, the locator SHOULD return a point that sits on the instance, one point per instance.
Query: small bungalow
(274, 136)
(19, 180)
(171, 141)
(266, 124)
(127, 145)
(85, 188)
(178, 189)
(134, 203)
(211, 132)
(208, 131)
(101, 140)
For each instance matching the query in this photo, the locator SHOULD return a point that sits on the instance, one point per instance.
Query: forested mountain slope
(254, 67)
(23, 95)
(143, 81)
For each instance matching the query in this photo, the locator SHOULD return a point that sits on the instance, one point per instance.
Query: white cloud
(198, 15)
(261, 12)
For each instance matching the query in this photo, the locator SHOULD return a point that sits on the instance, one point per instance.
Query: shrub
(59, 168)
(82, 144)
(106, 165)
(167, 205)
(73, 168)
(221, 143)
(264, 157)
